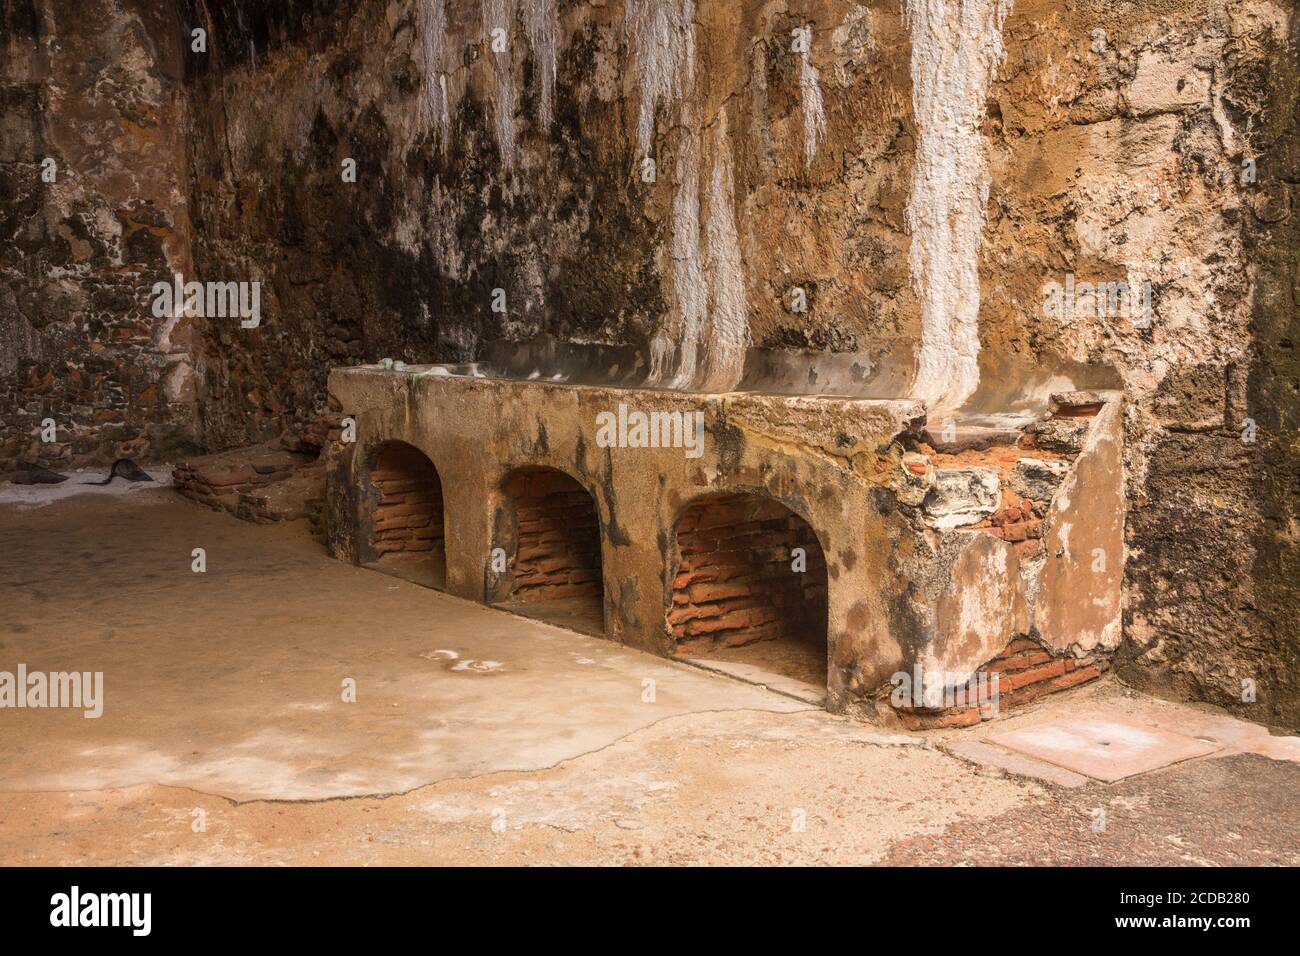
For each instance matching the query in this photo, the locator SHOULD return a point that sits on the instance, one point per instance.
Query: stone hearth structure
(841, 522)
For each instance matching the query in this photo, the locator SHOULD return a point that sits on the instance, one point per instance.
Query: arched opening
(554, 572)
(406, 520)
(749, 589)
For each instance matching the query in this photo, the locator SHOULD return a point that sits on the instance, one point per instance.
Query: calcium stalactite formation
(661, 38)
(498, 22)
(704, 345)
(709, 282)
(689, 284)
(956, 46)
(661, 43)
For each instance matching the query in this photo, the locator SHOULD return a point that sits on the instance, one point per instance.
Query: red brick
(747, 617)
(703, 593)
(1015, 532)
(1033, 675)
(1078, 676)
(750, 635)
(1019, 661)
(1021, 644)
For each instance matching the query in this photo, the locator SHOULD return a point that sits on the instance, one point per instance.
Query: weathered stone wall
(1148, 141)
(93, 211)
(1215, 586)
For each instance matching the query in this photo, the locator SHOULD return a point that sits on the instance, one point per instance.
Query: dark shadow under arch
(406, 520)
(554, 552)
(749, 586)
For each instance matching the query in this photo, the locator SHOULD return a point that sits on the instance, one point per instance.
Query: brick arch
(735, 591)
(406, 520)
(553, 549)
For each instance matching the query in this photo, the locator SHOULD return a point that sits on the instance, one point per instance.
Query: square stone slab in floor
(1104, 748)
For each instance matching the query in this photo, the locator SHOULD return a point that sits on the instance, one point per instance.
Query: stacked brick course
(262, 483)
(1026, 670)
(735, 583)
(209, 478)
(558, 551)
(407, 523)
(1020, 521)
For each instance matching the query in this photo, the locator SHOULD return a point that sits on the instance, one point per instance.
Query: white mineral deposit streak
(661, 40)
(728, 306)
(711, 321)
(661, 37)
(498, 24)
(541, 24)
(689, 285)
(956, 46)
(814, 111)
(433, 38)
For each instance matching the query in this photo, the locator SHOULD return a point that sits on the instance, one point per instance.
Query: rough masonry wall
(93, 211)
(1214, 589)
(1168, 157)
(404, 261)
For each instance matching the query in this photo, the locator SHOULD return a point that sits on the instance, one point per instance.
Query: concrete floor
(481, 737)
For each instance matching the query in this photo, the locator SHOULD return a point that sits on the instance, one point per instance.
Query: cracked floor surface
(479, 737)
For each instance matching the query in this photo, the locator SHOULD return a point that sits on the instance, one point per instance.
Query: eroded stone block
(1038, 478)
(962, 496)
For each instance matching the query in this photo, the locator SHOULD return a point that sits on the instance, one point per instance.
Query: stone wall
(94, 191)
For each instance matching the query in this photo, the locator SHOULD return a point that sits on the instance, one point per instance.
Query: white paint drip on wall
(433, 39)
(956, 46)
(814, 110)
